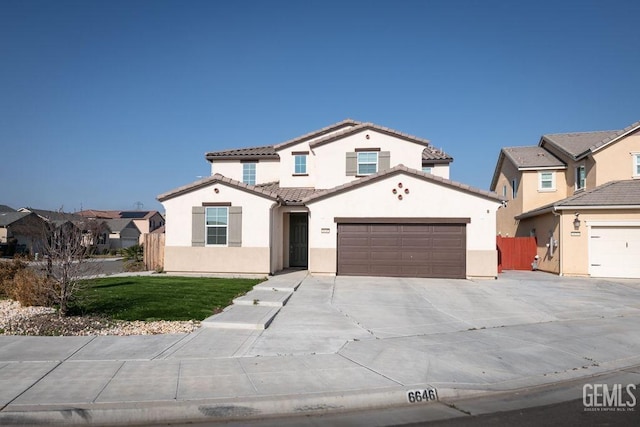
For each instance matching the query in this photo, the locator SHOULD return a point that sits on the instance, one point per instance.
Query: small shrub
(31, 289)
(134, 266)
(8, 270)
(133, 253)
(113, 252)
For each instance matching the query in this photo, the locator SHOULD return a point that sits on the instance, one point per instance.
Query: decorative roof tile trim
(217, 178)
(251, 153)
(321, 194)
(364, 126)
(316, 133)
(433, 155)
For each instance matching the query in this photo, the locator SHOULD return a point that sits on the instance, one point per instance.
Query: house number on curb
(423, 395)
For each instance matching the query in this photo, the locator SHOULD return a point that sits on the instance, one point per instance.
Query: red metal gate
(516, 253)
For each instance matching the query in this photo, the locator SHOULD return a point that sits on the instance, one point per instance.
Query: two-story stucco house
(579, 195)
(352, 198)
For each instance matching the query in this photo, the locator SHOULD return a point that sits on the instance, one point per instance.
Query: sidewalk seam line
(108, 382)
(372, 370)
(248, 377)
(60, 362)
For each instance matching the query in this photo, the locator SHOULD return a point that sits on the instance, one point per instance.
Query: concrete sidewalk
(339, 344)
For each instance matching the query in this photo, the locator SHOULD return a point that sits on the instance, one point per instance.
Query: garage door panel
(614, 252)
(404, 250)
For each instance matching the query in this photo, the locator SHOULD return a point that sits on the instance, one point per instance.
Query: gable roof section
(8, 218)
(615, 194)
(318, 133)
(530, 157)
(367, 126)
(322, 194)
(54, 215)
(119, 224)
(5, 208)
(288, 195)
(580, 144)
(215, 179)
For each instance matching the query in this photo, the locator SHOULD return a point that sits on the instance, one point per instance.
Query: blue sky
(107, 103)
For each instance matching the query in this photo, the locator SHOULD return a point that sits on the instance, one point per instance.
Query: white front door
(614, 252)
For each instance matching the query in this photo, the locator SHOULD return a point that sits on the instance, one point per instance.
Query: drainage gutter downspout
(555, 213)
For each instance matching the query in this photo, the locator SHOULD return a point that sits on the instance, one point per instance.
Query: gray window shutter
(197, 226)
(384, 160)
(352, 164)
(235, 226)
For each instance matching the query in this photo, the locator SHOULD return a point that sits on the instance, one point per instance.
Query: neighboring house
(21, 232)
(5, 208)
(146, 221)
(579, 195)
(123, 233)
(351, 199)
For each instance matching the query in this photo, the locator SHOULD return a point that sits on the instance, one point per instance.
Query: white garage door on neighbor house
(614, 251)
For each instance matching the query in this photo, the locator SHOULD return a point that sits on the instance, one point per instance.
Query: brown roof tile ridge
(212, 179)
(310, 135)
(230, 150)
(587, 192)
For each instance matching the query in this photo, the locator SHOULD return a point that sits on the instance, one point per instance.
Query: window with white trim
(546, 181)
(580, 177)
(367, 162)
(216, 224)
(514, 188)
(636, 164)
(504, 191)
(300, 164)
(249, 173)
(427, 169)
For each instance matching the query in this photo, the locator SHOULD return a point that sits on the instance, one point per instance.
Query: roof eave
(242, 157)
(595, 207)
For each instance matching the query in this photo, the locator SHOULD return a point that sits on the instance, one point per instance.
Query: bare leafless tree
(66, 249)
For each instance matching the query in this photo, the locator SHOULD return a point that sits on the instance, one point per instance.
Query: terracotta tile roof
(288, 195)
(93, 213)
(320, 194)
(317, 133)
(614, 193)
(210, 180)
(578, 144)
(435, 155)
(532, 157)
(263, 152)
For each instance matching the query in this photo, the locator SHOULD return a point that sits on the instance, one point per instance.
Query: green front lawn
(159, 297)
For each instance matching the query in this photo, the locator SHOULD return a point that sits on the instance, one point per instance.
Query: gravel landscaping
(18, 320)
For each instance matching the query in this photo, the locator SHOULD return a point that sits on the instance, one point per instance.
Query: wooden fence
(154, 251)
(516, 253)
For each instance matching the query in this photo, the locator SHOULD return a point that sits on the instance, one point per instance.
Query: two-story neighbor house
(353, 199)
(579, 195)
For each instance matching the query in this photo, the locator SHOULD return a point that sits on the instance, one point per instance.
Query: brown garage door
(402, 250)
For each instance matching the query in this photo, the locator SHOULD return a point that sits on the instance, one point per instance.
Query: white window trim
(358, 163)
(255, 172)
(635, 163)
(504, 191)
(577, 177)
(306, 164)
(553, 181)
(206, 227)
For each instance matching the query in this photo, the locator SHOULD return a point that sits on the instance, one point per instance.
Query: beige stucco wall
(575, 249)
(3, 235)
(330, 157)
(256, 231)
(482, 264)
(266, 170)
(244, 260)
(323, 260)
(543, 227)
(425, 199)
(615, 161)
(505, 223)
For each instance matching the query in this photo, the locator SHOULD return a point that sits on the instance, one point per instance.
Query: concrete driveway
(341, 343)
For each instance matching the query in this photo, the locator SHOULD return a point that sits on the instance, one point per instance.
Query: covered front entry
(298, 240)
(402, 249)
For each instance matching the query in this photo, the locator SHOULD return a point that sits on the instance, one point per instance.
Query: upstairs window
(547, 181)
(300, 164)
(217, 220)
(249, 173)
(514, 188)
(636, 164)
(367, 162)
(580, 177)
(427, 168)
(504, 191)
